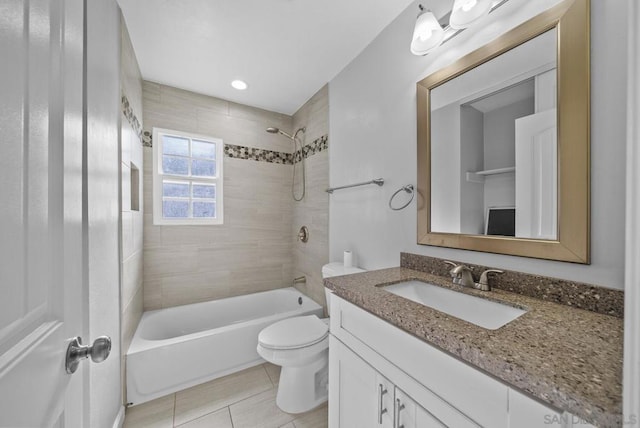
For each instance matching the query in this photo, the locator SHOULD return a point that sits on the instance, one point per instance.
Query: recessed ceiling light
(239, 85)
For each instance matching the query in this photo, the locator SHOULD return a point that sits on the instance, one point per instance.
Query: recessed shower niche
(135, 187)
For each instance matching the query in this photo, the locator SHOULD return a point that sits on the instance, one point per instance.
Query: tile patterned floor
(246, 399)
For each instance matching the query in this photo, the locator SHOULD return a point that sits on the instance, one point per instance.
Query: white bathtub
(179, 347)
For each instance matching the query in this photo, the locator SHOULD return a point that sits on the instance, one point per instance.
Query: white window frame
(158, 176)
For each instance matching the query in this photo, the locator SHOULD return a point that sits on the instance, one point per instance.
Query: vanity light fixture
(466, 12)
(429, 32)
(239, 85)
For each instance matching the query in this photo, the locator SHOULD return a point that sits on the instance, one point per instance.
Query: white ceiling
(284, 49)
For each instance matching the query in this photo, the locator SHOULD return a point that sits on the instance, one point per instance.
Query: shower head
(272, 130)
(294, 138)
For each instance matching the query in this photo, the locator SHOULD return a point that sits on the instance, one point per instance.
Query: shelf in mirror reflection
(493, 143)
(479, 176)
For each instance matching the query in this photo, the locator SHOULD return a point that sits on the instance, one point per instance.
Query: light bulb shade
(239, 85)
(466, 12)
(427, 34)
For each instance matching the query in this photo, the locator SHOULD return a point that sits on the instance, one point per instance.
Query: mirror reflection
(494, 165)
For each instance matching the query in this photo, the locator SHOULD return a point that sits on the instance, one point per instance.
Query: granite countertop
(569, 358)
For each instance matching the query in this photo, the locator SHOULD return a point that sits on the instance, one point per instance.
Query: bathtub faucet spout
(299, 279)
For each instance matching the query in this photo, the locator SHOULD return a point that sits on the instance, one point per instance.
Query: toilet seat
(300, 345)
(294, 333)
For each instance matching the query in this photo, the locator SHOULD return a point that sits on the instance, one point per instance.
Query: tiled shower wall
(313, 210)
(251, 251)
(131, 163)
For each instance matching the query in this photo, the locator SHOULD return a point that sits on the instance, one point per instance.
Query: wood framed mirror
(503, 143)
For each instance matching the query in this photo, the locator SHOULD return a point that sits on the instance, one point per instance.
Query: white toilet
(301, 346)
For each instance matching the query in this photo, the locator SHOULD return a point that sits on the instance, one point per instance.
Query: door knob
(76, 352)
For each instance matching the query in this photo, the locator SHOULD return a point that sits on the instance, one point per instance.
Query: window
(187, 178)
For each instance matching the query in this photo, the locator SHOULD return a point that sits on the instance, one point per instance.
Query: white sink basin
(476, 310)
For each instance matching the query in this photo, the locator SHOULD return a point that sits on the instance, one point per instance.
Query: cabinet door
(409, 414)
(353, 389)
(525, 412)
(456, 393)
(385, 395)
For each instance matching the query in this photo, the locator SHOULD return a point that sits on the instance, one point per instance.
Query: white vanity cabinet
(397, 409)
(364, 398)
(410, 414)
(381, 376)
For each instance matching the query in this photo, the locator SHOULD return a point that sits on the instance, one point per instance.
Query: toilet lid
(296, 332)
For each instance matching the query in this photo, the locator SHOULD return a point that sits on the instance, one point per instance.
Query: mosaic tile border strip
(146, 139)
(262, 155)
(592, 298)
(131, 117)
(316, 146)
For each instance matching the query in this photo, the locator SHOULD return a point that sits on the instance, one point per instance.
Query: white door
(537, 176)
(42, 263)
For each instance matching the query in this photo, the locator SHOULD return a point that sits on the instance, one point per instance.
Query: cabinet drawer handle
(399, 407)
(381, 411)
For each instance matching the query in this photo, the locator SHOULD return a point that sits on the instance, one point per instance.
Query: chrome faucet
(461, 275)
(299, 280)
(483, 284)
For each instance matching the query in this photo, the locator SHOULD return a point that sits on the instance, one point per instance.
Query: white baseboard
(119, 418)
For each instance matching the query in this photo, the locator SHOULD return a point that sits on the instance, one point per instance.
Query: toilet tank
(336, 269)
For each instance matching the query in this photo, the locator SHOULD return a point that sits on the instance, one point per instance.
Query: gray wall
(313, 210)
(131, 226)
(256, 248)
(500, 151)
(445, 159)
(373, 133)
(500, 133)
(471, 159)
(251, 251)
